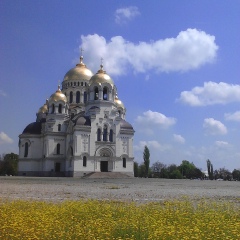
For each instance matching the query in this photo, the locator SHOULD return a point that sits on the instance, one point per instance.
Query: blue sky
(175, 64)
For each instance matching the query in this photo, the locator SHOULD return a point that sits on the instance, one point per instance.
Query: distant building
(205, 173)
(79, 130)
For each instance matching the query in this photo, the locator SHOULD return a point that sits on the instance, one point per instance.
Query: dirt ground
(130, 189)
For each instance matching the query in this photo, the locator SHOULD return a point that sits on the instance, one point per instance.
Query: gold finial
(81, 57)
(59, 86)
(81, 49)
(101, 67)
(101, 64)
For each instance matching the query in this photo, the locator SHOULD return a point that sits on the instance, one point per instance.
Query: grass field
(95, 219)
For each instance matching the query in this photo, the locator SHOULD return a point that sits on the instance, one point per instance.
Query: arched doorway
(104, 166)
(105, 160)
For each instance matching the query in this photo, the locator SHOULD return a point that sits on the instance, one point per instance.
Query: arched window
(71, 151)
(81, 83)
(85, 97)
(124, 162)
(59, 127)
(53, 108)
(96, 93)
(60, 108)
(111, 136)
(105, 133)
(84, 161)
(71, 97)
(78, 97)
(26, 149)
(99, 134)
(105, 93)
(58, 148)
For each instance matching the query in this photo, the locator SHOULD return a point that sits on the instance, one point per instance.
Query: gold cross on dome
(81, 49)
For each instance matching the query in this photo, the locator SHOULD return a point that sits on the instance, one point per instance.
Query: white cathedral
(81, 129)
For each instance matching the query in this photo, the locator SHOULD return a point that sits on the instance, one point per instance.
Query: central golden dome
(101, 77)
(80, 72)
(58, 96)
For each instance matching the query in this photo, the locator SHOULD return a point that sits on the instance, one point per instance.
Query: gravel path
(131, 189)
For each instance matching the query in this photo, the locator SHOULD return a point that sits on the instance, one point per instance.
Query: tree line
(186, 170)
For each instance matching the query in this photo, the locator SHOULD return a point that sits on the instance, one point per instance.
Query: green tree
(141, 170)
(157, 168)
(135, 169)
(175, 174)
(223, 173)
(236, 174)
(189, 170)
(9, 165)
(146, 160)
(210, 169)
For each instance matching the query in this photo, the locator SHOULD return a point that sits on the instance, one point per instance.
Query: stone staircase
(107, 175)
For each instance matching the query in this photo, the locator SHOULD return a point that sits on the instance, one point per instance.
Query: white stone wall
(35, 147)
(30, 165)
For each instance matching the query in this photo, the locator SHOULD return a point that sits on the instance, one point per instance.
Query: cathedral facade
(80, 129)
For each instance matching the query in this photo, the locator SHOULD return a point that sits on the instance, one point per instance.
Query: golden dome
(43, 109)
(118, 102)
(80, 72)
(58, 96)
(101, 77)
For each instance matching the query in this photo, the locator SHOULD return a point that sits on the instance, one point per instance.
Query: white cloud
(233, 116)
(155, 145)
(149, 117)
(2, 93)
(211, 93)
(178, 138)
(214, 127)
(122, 15)
(189, 50)
(4, 138)
(221, 143)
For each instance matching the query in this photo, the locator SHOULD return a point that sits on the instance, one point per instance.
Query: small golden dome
(80, 72)
(101, 77)
(43, 109)
(58, 96)
(119, 103)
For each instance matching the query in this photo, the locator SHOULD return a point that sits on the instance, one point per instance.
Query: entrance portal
(57, 167)
(104, 166)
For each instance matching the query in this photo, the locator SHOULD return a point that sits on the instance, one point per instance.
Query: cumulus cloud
(123, 15)
(189, 50)
(153, 145)
(4, 138)
(233, 116)
(178, 138)
(214, 127)
(211, 93)
(2, 93)
(149, 117)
